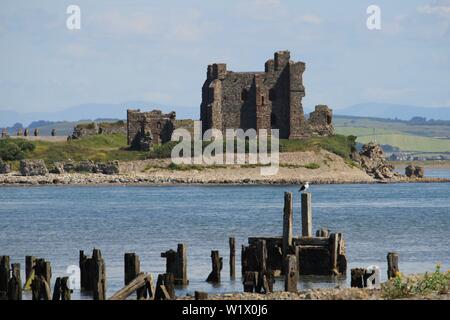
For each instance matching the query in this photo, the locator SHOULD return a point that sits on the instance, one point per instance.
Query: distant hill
(93, 111)
(394, 111)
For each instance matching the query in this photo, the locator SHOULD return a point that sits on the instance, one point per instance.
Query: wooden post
(392, 261)
(201, 295)
(261, 249)
(66, 292)
(84, 272)
(217, 265)
(15, 283)
(181, 275)
(30, 262)
(132, 269)
(291, 273)
(287, 222)
(176, 263)
(306, 215)
(4, 273)
(334, 244)
(57, 290)
(98, 275)
(40, 288)
(250, 281)
(232, 243)
(165, 287)
(43, 268)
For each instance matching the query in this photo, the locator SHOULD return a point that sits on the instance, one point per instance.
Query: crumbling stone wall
(260, 100)
(321, 121)
(91, 129)
(4, 167)
(145, 129)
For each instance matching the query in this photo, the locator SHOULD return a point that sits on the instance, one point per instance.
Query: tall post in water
(392, 261)
(232, 242)
(4, 273)
(287, 222)
(291, 273)
(306, 215)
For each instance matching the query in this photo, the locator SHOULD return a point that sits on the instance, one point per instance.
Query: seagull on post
(304, 187)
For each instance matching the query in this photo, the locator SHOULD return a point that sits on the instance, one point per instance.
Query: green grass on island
(114, 147)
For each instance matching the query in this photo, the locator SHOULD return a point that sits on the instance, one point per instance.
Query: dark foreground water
(56, 222)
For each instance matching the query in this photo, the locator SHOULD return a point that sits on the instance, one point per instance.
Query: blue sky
(158, 50)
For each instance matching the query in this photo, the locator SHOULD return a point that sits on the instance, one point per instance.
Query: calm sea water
(56, 222)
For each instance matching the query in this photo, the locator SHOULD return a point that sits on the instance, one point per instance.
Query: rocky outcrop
(4, 167)
(33, 168)
(110, 168)
(86, 166)
(414, 171)
(372, 160)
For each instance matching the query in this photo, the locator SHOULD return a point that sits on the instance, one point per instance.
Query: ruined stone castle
(262, 100)
(145, 129)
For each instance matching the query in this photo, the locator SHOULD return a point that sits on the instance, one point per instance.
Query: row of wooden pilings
(93, 276)
(257, 261)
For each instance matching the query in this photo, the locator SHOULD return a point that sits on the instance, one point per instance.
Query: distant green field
(404, 141)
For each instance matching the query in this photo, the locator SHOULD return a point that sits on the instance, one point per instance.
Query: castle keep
(145, 129)
(262, 100)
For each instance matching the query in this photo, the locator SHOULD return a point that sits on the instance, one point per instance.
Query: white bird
(304, 187)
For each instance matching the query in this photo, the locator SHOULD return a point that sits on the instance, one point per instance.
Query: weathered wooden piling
(61, 290)
(15, 283)
(165, 289)
(291, 273)
(232, 243)
(176, 264)
(43, 268)
(57, 290)
(359, 277)
(66, 292)
(306, 215)
(93, 274)
(40, 288)
(217, 265)
(85, 266)
(287, 222)
(98, 275)
(392, 261)
(199, 295)
(132, 269)
(30, 262)
(139, 283)
(334, 245)
(250, 281)
(4, 273)
(261, 250)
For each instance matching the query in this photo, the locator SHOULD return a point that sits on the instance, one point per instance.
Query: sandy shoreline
(294, 168)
